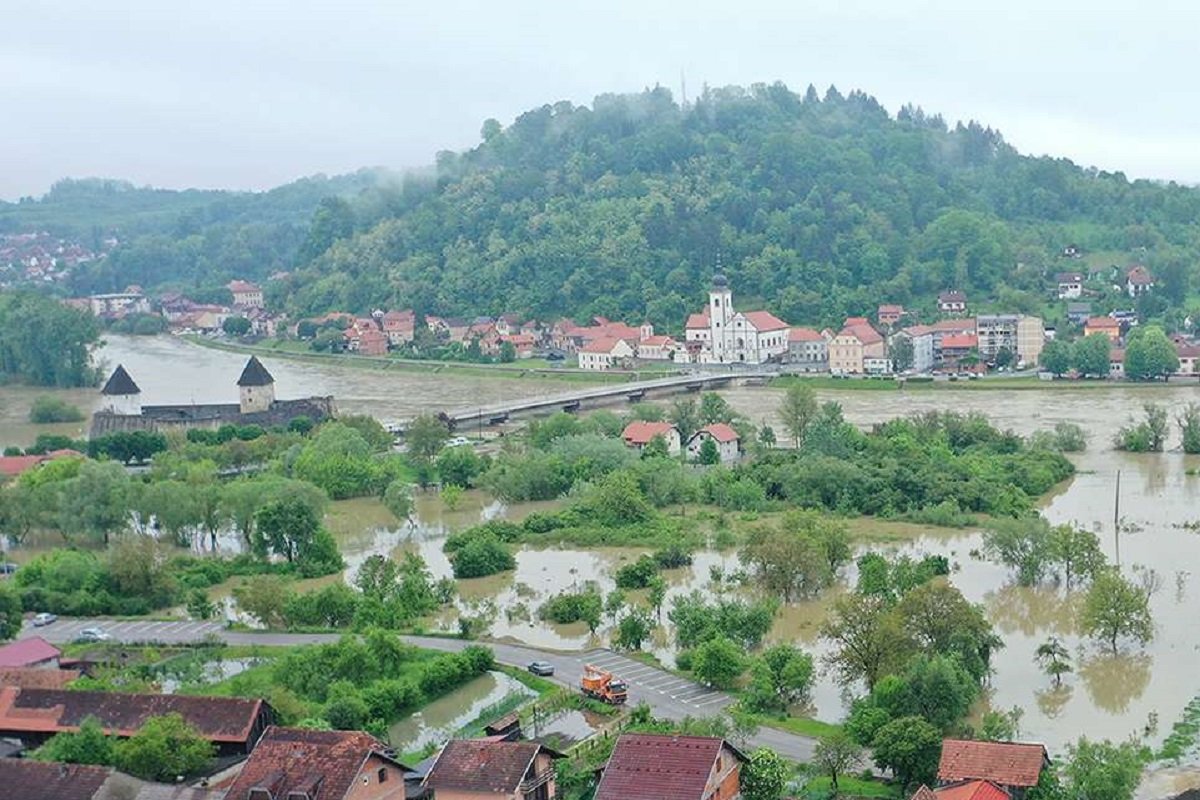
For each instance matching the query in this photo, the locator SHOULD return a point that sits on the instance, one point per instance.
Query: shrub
(638, 574)
(47, 409)
(482, 555)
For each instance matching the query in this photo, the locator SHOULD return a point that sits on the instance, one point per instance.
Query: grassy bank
(1015, 383)
(533, 369)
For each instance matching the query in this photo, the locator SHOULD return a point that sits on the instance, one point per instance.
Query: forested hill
(818, 207)
(192, 238)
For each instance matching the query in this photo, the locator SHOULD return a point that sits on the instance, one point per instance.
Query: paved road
(668, 695)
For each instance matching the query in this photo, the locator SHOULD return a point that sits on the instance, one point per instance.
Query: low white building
(605, 353)
(921, 337)
(725, 437)
(1070, 285)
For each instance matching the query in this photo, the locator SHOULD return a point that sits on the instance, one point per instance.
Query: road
(668, 695)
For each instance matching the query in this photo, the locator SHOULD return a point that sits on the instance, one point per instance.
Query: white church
(722, 335)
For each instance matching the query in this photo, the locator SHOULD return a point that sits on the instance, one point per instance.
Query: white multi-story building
(729, 336)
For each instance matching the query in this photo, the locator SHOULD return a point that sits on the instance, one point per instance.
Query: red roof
(864, 333)
(804, 335)
(1139, 275)
(47, 780)
(954, 326)
(242, 287)
(602, 345)
(27, 652)
(647, 766)
(890, 308)
(853, 321)
(639, 432)
(698, 320)
(918, 330)
(721, 432)
(952, 297)
(971, 790)
(1102, 323)
(764, 321)
(37, 677)
(1004, 763)
(291, 759)
(484, 766)
(960, 341)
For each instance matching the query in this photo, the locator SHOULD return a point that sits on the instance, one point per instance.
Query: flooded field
(440, 719)
(1106, 696)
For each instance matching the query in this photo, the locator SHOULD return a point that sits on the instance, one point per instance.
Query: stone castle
(123, 409)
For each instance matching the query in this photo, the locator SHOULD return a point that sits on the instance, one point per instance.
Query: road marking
(717, 699)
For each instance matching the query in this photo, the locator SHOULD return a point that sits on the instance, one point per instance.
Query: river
(1106, 696)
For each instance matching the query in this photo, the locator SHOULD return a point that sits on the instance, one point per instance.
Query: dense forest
(815, 206)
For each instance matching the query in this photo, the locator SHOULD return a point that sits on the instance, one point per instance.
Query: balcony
(536, 786)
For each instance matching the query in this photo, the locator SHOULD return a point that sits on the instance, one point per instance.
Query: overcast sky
(248, 94)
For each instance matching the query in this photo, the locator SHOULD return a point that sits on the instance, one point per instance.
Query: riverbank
(539, 370)
(1012, 383)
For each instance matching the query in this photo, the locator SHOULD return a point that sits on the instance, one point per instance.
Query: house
(38, 677)
(34, 715)
(119, 304)
(1070, 285)
(245, 294)
(1138, 280)
(735, 337)
(855, 343)
(13, 466)
(1078, 313)
(605, 353)
(963, 790)
(952, 302)
(1105, 325)
(725, 437)
(487, 769)
(297, 763)
(921, 337)
(889, 314)
(957, 346)
(657, 348)
(638, 434)
(1012, 766)
(647, 766)
(1116, 363)
(808, 350)
(23, 779)
(399, 326)
(523, 343)
(508, 324)
(1189, 359)
(366, 340)
(31, 652)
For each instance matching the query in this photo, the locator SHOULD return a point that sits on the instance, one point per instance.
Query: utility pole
(1117, 519)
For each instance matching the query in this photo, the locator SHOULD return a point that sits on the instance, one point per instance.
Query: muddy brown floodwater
(1107, 696)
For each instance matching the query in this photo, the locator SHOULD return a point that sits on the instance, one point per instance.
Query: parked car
(44, 618)
(543, 668)
(458, 441)
(7, 568)
(93, 635)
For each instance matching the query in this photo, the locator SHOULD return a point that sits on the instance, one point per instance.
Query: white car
(93, 635)
(458, 441)
(43, 619)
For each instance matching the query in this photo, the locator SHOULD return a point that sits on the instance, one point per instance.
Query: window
(383, 774)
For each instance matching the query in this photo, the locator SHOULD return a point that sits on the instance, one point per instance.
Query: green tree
(508, 352)
(288, 527)
(685, 417)
(1076, 551)
(718, 663)
(1091, 355)
(1114, 609)
(1055, 659)
(459, 466)
(867, 640)
(764, 776)
(425, 437)
(780, 678)
(1057, 356)
(47, 409)
(96, 501)
(798, 410)
(714, 408)
(1149, 355)
(164, 749)
(1022, 545)
(910, 747)
(656, 448)
(10, 613)
(658, 593)
(709, 454)
(767, 436)
(27, 354)
(633, 629)
(481, 555)
(398, 499)
(837, 754)
(901, 353)
(88, 745)
(236, 326)
(1189, 426)
(264, 598)
(1102, 770)
(1147, 436)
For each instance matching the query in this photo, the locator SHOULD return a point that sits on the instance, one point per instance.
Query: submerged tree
(1052, 654)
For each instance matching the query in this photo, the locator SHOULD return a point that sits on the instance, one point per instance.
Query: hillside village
(893, 341)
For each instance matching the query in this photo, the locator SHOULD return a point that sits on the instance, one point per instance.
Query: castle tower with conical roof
(121, 395)
(256, 387)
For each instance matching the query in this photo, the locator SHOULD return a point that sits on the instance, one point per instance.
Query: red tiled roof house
(638, 434)
(32, 652)
(647, 766)
(725, 437)
(488, 769)
(1012, 766)
(319, 765)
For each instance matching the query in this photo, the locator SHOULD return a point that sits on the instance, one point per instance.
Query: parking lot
(656, 685)
(129, 631)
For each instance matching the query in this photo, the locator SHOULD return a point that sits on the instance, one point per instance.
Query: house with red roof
(729, 445)
(808, 350)
(728, 336)
(491, 769)
(952, 302)
(13, 466)
(956, 347)
(31, 652)
(854, 345)
(319, 765)
(1013, 767)
(399, 326)
(963, 790)
(649, 766)
(245, 294)
(889, 314)
(605, 353)
(1105, 325)
(638, 434)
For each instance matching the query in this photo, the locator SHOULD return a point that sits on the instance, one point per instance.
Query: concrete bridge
(593, 397)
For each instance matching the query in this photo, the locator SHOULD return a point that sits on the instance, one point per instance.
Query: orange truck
(602, 685)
